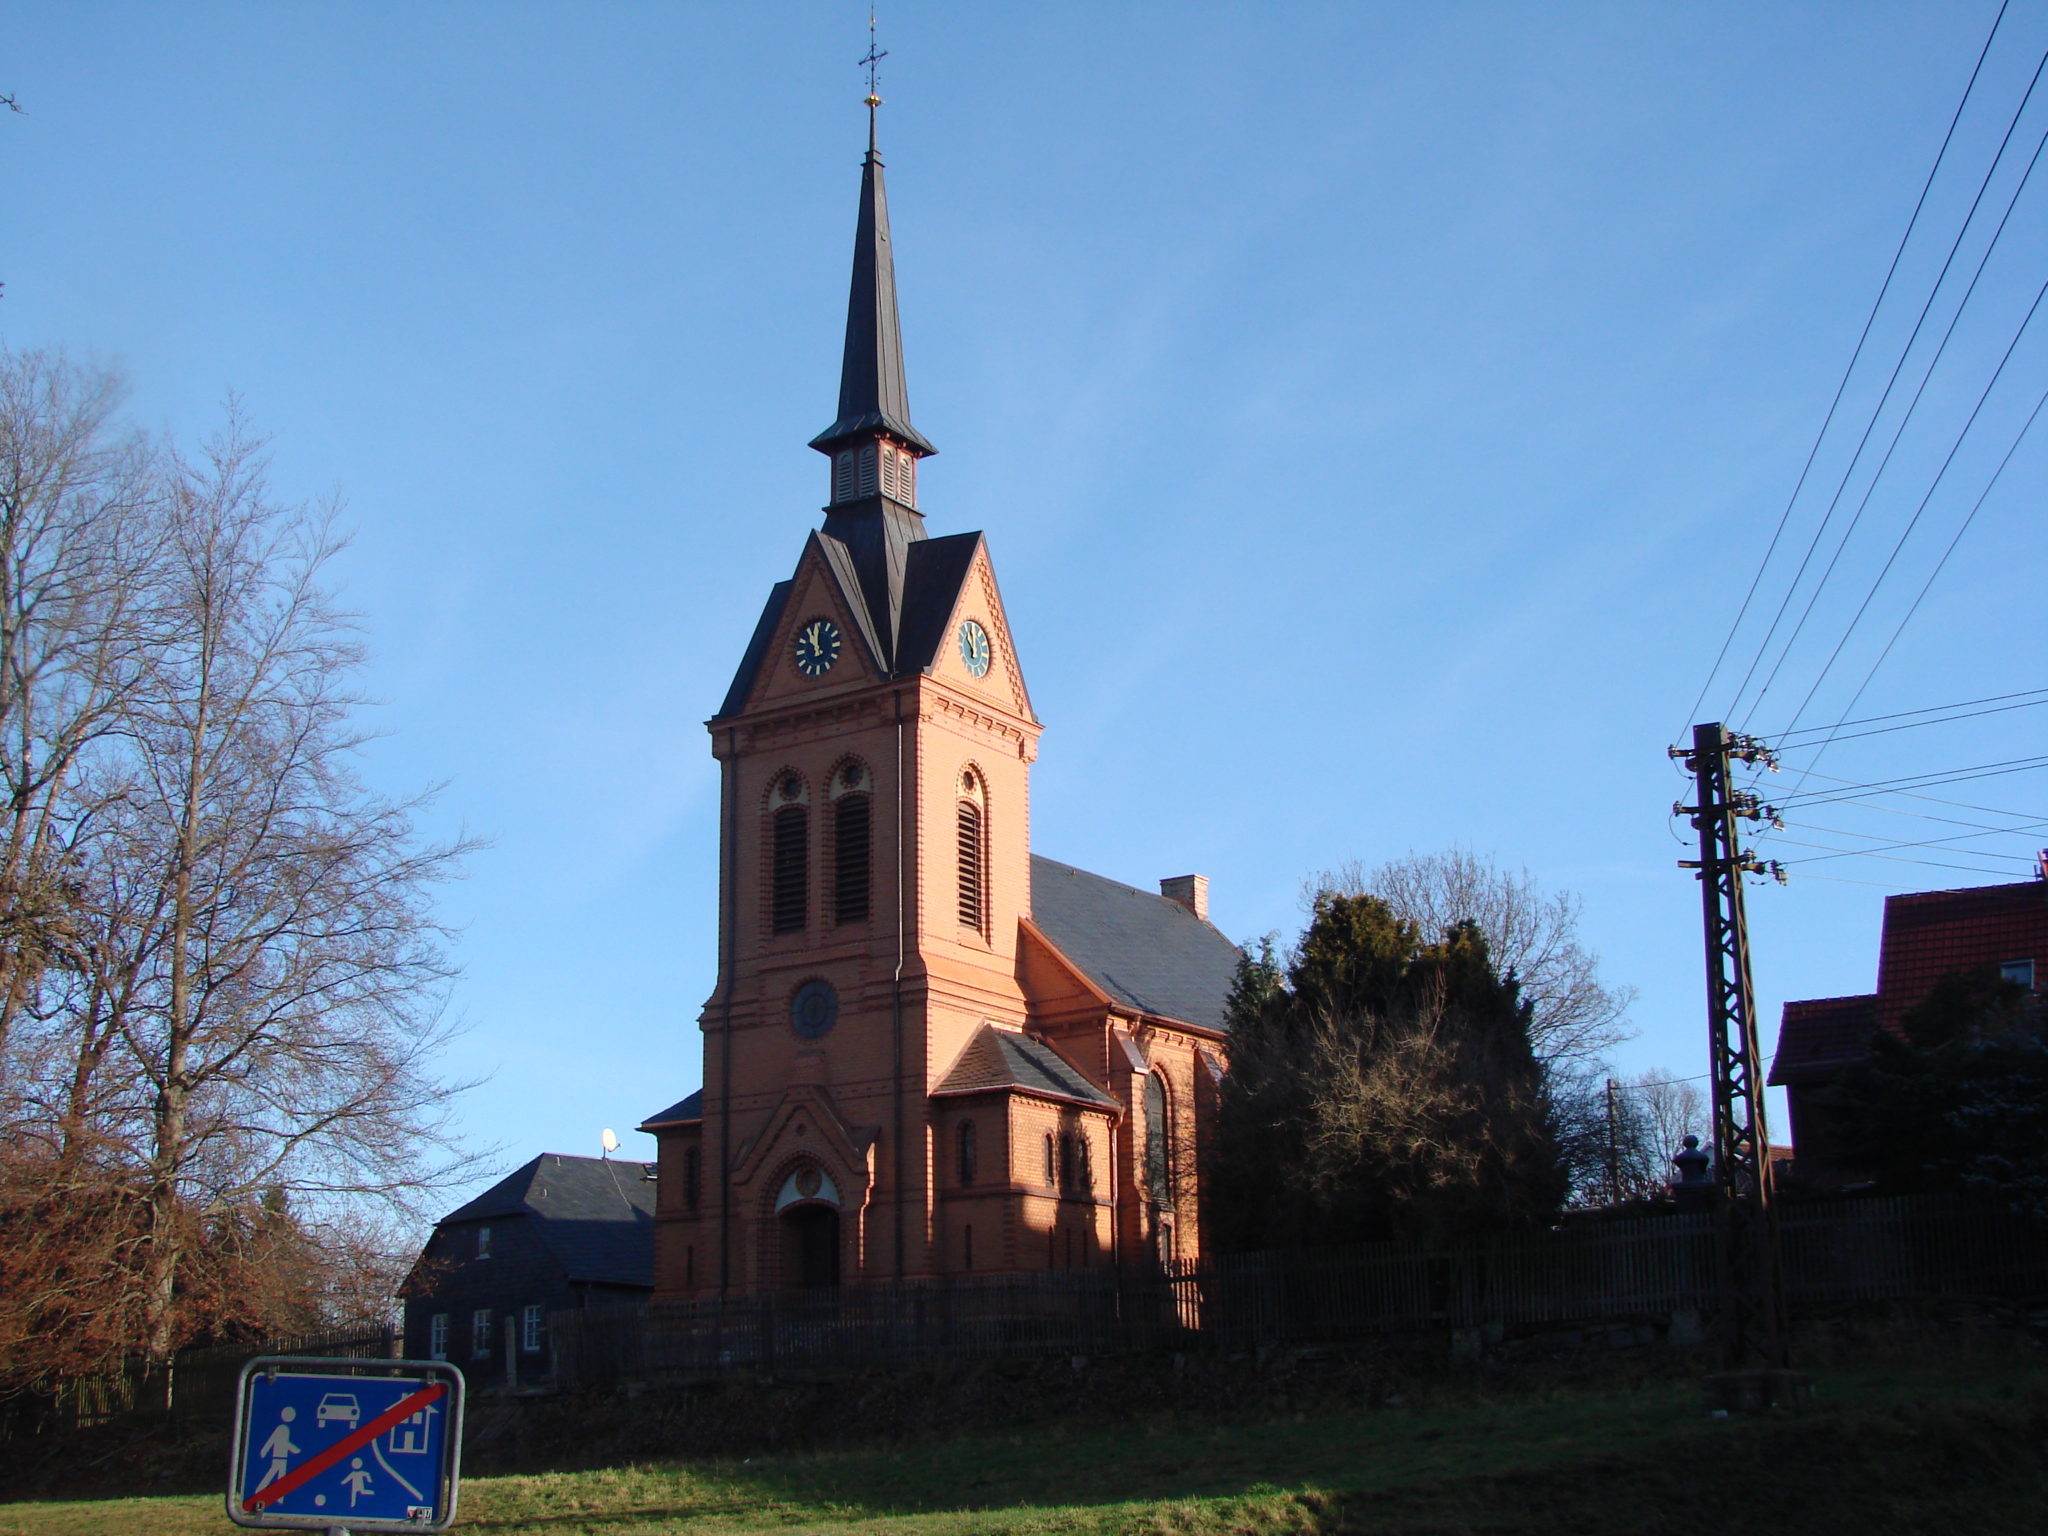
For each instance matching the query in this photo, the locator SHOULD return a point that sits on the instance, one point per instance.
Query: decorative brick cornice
(952, 708)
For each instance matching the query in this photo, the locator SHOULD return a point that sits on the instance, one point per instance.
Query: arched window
(852, 860)
(966, 1153)
(693, 1177)
(789, 841)
(973, 856)
(1158, 1142)
(1051, 1166)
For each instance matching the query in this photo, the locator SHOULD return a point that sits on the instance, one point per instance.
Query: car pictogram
(338, 1408)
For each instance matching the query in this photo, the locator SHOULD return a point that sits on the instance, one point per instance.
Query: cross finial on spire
(874, 57)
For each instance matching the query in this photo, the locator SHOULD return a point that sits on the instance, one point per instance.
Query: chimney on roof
(1191, 891)
(2041, 863)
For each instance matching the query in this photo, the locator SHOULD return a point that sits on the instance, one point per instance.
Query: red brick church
(930, 1051)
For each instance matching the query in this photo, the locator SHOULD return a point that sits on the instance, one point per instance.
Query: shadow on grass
(1609, 1466)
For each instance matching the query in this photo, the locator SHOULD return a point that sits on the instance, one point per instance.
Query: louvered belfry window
(972, 903)
(850, 858)
(790, 891)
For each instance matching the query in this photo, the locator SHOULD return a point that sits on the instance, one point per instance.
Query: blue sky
(1377, 413)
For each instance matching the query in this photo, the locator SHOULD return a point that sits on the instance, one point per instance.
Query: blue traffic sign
(319, 1446)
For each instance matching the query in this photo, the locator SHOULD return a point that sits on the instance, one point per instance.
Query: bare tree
(1532, 935)
(80, 531)
(220, 979)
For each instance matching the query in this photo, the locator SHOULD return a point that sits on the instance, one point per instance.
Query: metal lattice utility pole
(1752, 1322)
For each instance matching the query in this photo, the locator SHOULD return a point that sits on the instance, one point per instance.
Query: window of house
(693, 1177)
(867, 470)
(789, 885)
(967, 1246)
(842, 476)
(480, 1334)
(2019, 972)
(529, 1329)
(850, 856)
(966, 1152)
(437, 1336)
(1051, 1166)
(973, 857)
(483, 1242)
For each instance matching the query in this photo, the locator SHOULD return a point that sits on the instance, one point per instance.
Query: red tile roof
(1928, 934)
(1821, 1034)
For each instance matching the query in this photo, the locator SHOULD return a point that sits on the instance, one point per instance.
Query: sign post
(346, 1445)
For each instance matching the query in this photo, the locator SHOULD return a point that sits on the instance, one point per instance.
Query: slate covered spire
(873, 401)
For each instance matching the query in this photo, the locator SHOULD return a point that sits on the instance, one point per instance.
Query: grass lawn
(1914, 1445)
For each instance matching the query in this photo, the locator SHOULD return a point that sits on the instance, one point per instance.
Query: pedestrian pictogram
(334, 1444)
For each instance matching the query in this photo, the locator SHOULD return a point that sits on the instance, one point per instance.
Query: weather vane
(874, 57)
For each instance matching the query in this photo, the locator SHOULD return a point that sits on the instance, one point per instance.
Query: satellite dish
(610, 1140)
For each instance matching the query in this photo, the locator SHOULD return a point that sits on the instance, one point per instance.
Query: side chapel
(930, 1051)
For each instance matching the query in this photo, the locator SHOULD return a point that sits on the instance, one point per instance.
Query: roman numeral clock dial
(817, 647)
(975, 652)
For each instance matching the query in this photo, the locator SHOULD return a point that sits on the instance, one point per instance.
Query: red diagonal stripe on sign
(397, 1413)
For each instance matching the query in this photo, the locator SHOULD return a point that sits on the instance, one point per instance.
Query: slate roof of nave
(1001, 1059)
(1143, 950)
(596, 1215)
(690, 1108)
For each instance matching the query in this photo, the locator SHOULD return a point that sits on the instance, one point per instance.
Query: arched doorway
(810, 1246)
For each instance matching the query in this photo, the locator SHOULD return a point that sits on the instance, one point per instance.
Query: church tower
(875, 748)
(929, 1051)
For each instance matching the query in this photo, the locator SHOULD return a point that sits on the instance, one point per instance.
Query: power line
(1942, 563)
(1913, 522)
(1894, 810)
(1876, 414)
(1996, 698)
(1921, 781)
(1911, 725)
(1828, 852)
(1841, 388)
(1933, 842)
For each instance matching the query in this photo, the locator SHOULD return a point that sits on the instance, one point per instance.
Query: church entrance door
(810, 1237)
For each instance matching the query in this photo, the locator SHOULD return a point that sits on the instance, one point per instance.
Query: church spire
(872, 445)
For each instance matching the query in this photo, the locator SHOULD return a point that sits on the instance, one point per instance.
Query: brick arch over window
(970, 811)
(789, 852)
(850, 794)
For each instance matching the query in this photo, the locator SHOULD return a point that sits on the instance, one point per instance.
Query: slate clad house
(560, 1232)
(1991, 930)
(930, 1051)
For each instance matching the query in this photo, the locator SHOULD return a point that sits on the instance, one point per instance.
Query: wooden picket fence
(1647, 1269)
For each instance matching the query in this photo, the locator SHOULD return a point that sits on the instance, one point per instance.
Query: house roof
(1928, 934)
(1821, 1034)
(595, 1215)
(1001, 1060)
(1139, 948)
(683, 1110)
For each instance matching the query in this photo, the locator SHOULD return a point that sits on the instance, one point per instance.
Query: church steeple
(872, 445)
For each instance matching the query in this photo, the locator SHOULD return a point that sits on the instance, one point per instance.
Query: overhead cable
(1841, 388)
(1877, 412)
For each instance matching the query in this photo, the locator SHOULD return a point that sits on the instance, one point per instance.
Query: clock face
(817, 647)
(974, 648)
